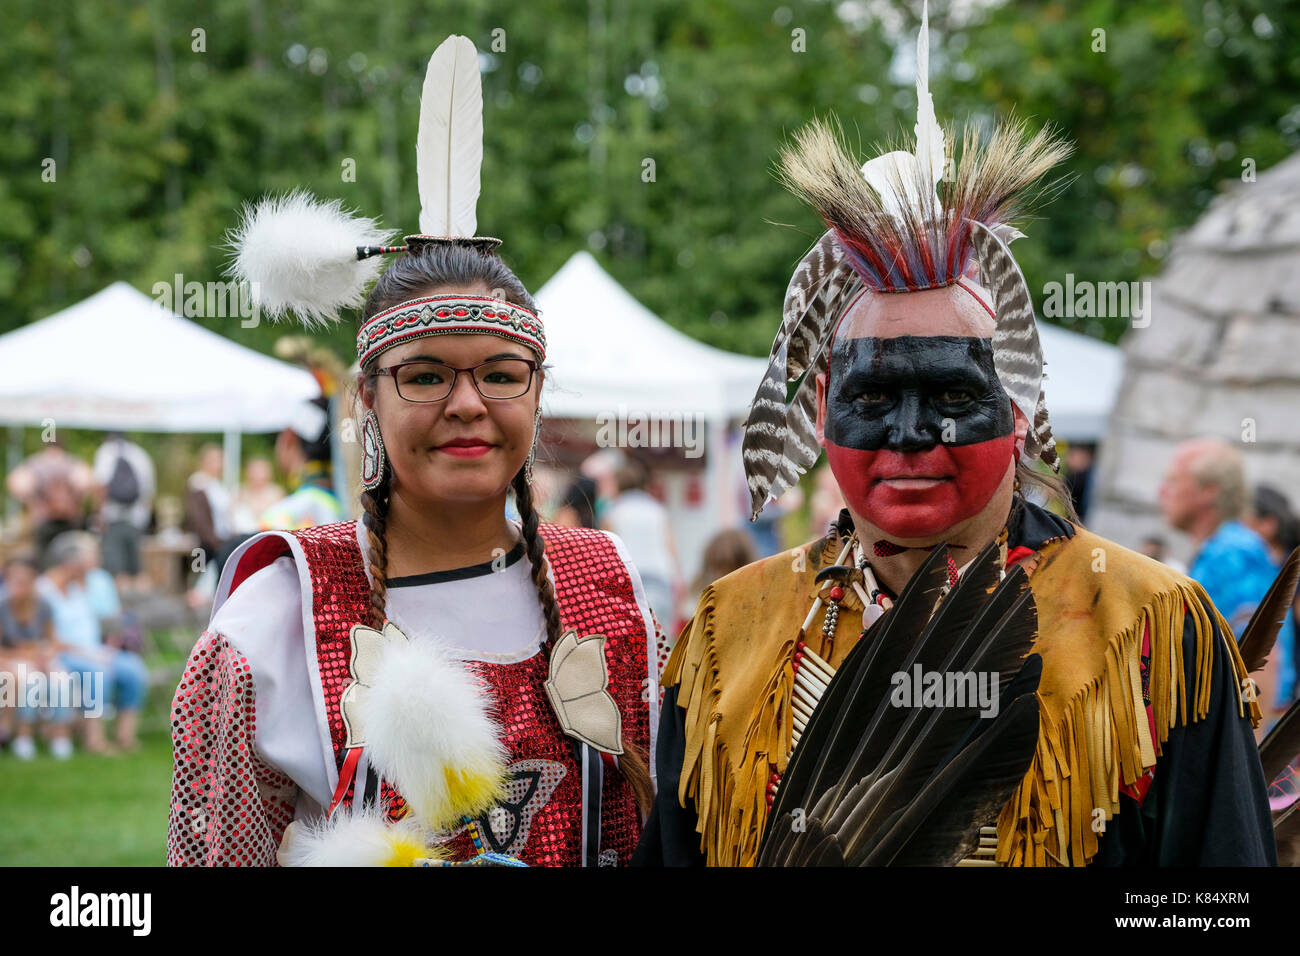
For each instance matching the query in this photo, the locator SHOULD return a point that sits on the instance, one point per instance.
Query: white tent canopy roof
(608, 350)
(117, 360)
(1082, 381)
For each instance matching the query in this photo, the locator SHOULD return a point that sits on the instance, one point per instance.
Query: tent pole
(721, 505)
(13, 458)
(230, 474)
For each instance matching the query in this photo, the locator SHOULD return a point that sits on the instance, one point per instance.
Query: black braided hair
(375, 504)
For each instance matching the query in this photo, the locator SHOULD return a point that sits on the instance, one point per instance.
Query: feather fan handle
(299, 255)
(449, 147)
(1261, 633)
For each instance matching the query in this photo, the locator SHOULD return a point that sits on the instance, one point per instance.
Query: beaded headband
(449, 315)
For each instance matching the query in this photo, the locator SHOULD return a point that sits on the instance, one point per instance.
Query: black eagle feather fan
(875, 784)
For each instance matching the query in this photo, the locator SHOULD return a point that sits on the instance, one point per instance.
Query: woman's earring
(373, 459)
(532, 452)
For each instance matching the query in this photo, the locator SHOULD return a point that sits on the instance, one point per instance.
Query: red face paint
(888, 487)
(918, 430)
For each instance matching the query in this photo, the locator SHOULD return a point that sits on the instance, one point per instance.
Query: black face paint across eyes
(914, 392)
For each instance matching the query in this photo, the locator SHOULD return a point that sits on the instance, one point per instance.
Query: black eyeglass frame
(392, 370)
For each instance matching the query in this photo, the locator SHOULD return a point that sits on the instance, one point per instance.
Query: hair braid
(632, 763)
(535, 548)
(375, 504)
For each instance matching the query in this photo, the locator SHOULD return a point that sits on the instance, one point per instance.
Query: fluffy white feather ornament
(299, 255)
(427, 729)
(364, 838)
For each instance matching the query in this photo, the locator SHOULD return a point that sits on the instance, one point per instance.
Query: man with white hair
(1204, 494)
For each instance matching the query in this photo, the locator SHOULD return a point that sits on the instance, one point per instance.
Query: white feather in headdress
(896, 176)
(449, 149)
(299, 255)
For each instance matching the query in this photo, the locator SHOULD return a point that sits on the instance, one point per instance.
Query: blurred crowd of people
(69, 650)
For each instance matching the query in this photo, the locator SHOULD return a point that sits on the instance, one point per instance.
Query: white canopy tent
(609, 350)
(1083, 377)
(614, 360)
(118, 360)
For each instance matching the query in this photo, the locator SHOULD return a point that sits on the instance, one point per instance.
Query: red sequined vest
(540, 821)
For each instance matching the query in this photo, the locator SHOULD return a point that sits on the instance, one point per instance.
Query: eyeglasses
(432, 382)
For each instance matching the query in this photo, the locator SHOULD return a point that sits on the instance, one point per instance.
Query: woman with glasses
(349, 669)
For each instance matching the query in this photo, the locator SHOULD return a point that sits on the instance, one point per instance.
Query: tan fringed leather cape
(1095, 599)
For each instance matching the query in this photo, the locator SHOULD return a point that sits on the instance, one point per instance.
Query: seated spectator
(27, 647)
(82, 596)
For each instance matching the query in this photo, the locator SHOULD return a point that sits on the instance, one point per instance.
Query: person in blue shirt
(1204, 494)
(82, 596)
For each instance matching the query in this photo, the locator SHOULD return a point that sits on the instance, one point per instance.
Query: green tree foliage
(643, 130)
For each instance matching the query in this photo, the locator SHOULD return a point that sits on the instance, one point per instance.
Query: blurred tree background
(162, 118)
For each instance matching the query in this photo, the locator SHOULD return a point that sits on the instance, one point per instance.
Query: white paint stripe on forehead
(936, 321)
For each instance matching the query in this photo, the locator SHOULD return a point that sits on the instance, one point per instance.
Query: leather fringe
(1103, 738)
(731, 837)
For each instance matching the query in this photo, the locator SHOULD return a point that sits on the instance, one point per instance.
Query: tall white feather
(895, 171)
(300, 255)
(929, 135)
(449, 148)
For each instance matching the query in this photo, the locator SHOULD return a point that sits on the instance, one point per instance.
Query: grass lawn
(89, 810)
(92, 810)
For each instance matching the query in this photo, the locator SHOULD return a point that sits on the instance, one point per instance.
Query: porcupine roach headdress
(314, 258)
(895, 227)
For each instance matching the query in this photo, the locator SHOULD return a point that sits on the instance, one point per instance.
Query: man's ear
(821, 409)
(1019, 428)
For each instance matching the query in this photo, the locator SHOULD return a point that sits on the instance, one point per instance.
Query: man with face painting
(909, 353)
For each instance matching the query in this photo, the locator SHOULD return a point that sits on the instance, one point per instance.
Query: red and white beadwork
(230, 808)
(373, 457)
(449, 315)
